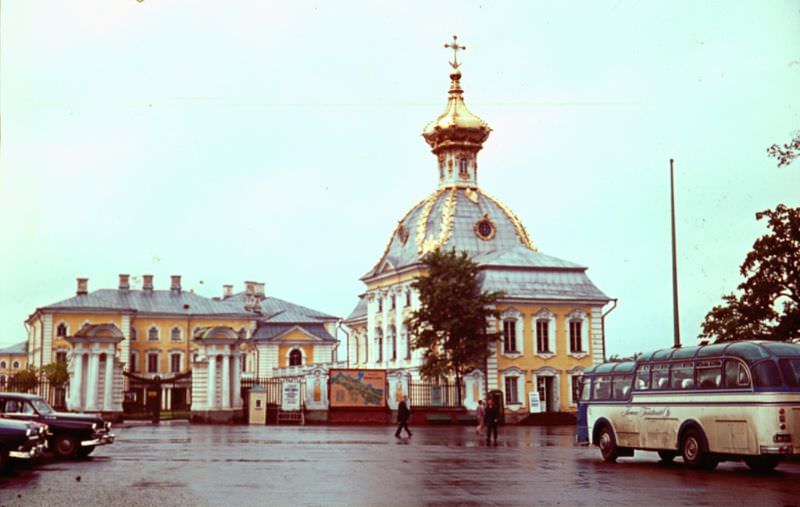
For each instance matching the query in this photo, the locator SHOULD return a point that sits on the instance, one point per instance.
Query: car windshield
(42, 407)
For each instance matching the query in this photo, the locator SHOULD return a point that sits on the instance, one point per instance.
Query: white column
(237, 379)
(398, 327)
(92, 379)
(212, 380)
(226, 381)
(76, 381)
(109, 383)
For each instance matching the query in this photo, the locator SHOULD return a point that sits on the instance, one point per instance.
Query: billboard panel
(358, 388)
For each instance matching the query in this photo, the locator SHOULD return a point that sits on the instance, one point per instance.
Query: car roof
(24, 396)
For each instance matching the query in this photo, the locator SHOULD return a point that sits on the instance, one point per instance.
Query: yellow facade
(295, 339)
(11, 364)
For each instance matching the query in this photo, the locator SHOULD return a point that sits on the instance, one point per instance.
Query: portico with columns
(95, 371)
(216, 375)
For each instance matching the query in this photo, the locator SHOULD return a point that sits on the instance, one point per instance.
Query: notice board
(357, 388)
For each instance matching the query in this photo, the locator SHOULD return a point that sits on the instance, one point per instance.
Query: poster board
(290, 396)
(534, 404)
(358, 388)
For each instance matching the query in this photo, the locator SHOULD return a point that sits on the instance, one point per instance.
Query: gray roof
(17, 349)
(276, 310)
(268, 332)
(542, 284)
(188, 303)
(359, 311)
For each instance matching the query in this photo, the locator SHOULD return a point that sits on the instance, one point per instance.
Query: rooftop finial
(455, 47)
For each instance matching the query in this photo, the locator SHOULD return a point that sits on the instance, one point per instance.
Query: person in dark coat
(403, 413)
(491, 419)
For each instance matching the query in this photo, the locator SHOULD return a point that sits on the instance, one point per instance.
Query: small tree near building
(451, 324)
(56, 373)
(24, 380)
(767, 305)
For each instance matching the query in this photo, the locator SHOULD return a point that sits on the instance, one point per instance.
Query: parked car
(69, 435)
(21, 440)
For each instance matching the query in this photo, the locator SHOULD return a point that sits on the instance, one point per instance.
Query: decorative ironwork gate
(158, 398)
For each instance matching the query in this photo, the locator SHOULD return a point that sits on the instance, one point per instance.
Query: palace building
(153, 333)
(552, 313)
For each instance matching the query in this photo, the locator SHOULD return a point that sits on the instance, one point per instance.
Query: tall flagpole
(675, 317)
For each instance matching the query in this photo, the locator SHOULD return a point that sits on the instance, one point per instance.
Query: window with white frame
(152, 334)
(380, 304)
(408, 298)
(152, 362)
(61, 330)
(295, 358)
(578, 333)
(407, 341)
(393, 341)
(175, 360)
(544, 329)
(512, 390)
(175, 334)
(3, 365)
(15, 365)
(379, 344)
(510, 336)
(133, 334)
(393, 302)
(133, 366)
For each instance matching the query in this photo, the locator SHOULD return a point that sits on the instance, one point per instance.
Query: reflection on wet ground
(181, 464)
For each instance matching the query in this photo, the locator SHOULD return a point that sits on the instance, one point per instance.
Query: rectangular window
(543, 336)
(682, 376)
(175, 363)
(622, 386)
(133, 366)
(61, 357)
(380, 349)
(575, 344)
(394, 302)
(660, 376)
(510, 335)
(511, 390)
(408, 298)
(577, 380)
(175, 334)
(394, 347)
(152, 363)
(152, 334)
(709, 374)
(643, 378)
(244, 363)
(602, 388)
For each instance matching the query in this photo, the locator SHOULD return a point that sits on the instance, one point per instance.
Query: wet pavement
(181, 464)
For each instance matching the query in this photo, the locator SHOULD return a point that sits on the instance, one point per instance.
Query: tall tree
(767, 305)
(786, 153)
(451, 324)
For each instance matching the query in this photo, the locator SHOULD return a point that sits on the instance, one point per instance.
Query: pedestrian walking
(480, 413)
(491, 419)
(403, 413)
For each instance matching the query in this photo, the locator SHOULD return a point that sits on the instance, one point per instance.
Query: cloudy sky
(280, 142)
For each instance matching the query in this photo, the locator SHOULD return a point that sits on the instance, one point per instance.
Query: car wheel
(85, 451)
(65, 446)
(695, 451)
(608, 445)
(667, 456)
(762, 463)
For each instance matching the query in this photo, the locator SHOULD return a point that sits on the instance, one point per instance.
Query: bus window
(602, 388)
(765, 374)
(683, 375)
(622, 386)
(709, 374)
(736, 374)
(660, 376)
(791, 371)
(643, 378)
(586, 388)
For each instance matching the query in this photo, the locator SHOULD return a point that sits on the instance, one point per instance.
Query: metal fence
(56, 394)
(274, 388)
(433, 395)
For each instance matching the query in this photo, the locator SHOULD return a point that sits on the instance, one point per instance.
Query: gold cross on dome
(455, 47)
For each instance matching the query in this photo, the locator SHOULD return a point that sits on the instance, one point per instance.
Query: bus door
(584, 391)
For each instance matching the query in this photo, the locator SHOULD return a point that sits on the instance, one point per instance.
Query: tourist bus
(711, 403)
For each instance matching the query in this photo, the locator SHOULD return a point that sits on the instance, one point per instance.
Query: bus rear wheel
(608, 445)
(762, 463)
(695, 451)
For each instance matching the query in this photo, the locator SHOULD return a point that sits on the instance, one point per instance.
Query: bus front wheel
(695, 451)
(608, 445)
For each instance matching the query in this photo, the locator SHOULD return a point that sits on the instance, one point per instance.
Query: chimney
(249, 288)
(249, 295)
(83, 287)
(227, 291)
(124, 282)
(147, 284)
(259, 290)
(175, 285)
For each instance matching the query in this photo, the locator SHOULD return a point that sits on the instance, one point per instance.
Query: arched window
(3, 364)
(175, 334)
(152, 334)
(462, 168)
(295, 358)
(61, 330)
(15, 365)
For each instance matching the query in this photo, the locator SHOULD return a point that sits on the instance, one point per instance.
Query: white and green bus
(712, 403)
